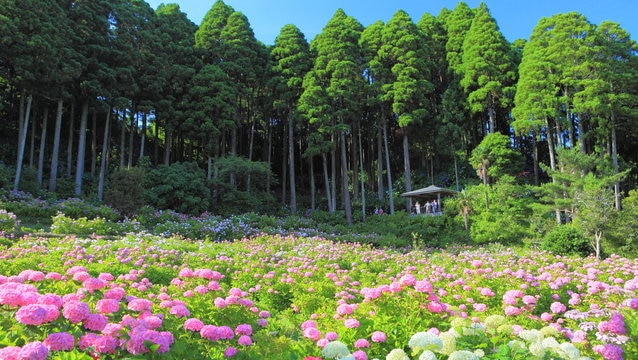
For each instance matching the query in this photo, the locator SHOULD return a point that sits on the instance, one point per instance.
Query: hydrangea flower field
(287, 297)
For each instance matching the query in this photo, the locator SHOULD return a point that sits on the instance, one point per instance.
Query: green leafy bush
(8, 221)
(181, 187)
(566, 240)
(77, 208)
(125, 190)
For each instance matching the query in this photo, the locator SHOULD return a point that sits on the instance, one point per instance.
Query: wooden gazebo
(429, 193)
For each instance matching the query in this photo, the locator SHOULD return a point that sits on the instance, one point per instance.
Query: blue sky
(515, 18)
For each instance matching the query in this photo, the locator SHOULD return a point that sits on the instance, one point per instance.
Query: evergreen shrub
(566, 240)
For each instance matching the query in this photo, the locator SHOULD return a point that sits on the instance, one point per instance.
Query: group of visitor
(428, 208)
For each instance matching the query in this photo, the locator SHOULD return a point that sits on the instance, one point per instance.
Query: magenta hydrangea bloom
(107, 306)
(193, 324)
(76, 311)
(245, 340)
(62, 341)
(609, 351)
(361, 343)
(95, 322)
(209, 332)
(351, 323)
(312, 333)
(230, 352)
(244, 329)
(140, 305)
(37, 314)
(33, 351)
(10, 352)
(360, 355)
(179, 311)
(378, 336)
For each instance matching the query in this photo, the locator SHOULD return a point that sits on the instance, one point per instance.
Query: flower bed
(275, 297)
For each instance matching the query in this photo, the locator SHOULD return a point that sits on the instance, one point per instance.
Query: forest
(116, 102)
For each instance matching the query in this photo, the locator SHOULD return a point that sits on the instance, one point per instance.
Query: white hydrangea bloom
(537, 349)
(531, 336)
(550, 343)
(570, 351)
(427, 355)
(463, 355)
(335, 350)
(397, 354)
(425, 341)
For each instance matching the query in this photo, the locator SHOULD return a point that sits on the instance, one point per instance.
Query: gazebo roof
(431, 191)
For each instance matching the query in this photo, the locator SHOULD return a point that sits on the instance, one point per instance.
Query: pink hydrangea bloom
(10, 352)
(378, 336)
(609, 351)
(360, 355)
(308, 324)
(557, 307)
(33, 351)
(244, 329)
(423, 286)
(37, 314)
(331, 336)
(193, 324)
(95, 322)
(179, 311)
(361, 343)
(245, 340)
(312, 333)
(107, 306)
(140, 305)
(76, 311)
(92, 284)
(230, 352)
(351, 323)
(62, 341)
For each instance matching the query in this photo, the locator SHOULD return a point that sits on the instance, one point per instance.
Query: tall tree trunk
(131, 138)
(93, 143)
(43, 143)
(361, 182)
(123, 140)
(406, 169)
(614, 159)
(313, 185)
(69, 146)
(326, 180)
(380, 187)
(32, 142)
(53, 176)
(105, 155)
(79, 170)
(168, 144)
(143, 135)
(284, 168)
(333, 170)
(269, 156)
(552, 162)
(291, 162)
(345, 184)
(387, 166)
(22, 139)
(535, 159)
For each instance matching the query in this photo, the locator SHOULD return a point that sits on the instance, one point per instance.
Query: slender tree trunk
(326, 180)
(284, 168)
(131, 137)
(380, 188)
(333, 169)
(552, 162)
(69, 146)
(535, 159)
(105, 155)
(387, 166)
(32, 143)
(123, 140)
(43, 143)
(168, 144)
(313, 185)
(250, 151)
(93, 143)
(291, 162)
(233, 150)
(53, 176)
(269, 156)
(614, 158)
(406, 168)
(361, 182)
(79, 170)
(143, 135)
(24, 128)
(345, 184)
